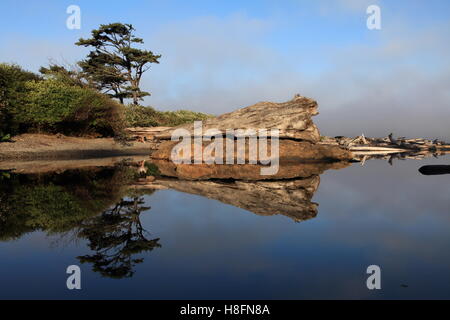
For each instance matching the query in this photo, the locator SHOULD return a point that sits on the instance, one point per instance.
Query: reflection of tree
(116, 235)
(56, 203)
(68, 204)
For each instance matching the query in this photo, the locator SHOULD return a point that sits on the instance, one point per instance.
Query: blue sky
(221, 55)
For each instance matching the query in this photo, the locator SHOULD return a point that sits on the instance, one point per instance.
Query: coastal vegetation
(87, 99)
(139, 116)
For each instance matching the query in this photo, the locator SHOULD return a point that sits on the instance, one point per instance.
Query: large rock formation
(288, 191)
(290, 150)
(298, 135)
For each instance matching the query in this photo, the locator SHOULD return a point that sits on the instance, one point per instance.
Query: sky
(218, 56)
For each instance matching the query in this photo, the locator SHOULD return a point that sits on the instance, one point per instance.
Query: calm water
(167, 244)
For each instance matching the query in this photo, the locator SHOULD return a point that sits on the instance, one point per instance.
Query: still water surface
(168, 244)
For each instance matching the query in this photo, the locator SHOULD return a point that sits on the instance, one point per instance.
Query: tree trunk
(135, 94)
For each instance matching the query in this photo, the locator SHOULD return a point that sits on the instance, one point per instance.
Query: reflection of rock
(292, 118)
(291, 198)
(287, 170)
(289, 192)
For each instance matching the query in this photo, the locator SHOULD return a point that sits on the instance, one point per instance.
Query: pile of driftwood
(389, 148)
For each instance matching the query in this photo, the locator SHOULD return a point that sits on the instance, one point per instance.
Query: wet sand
(46, 147)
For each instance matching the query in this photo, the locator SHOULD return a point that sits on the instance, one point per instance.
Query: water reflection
(57, 203)
(291, 198)
(376, 214)
(288, 193)
(117, 236)
(103, 205)
(95, 204)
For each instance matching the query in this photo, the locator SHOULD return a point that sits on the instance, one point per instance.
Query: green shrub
(65, 104)
(139, 116)
(12, 92)
(55, 106)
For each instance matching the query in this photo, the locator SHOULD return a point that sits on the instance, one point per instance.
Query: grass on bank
(139, 116)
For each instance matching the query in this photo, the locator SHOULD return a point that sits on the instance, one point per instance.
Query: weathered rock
(292, 118)
(291, 150)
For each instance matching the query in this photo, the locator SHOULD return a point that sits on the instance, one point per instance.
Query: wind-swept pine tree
(114, 66)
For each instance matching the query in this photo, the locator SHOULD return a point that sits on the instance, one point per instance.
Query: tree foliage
(13, 81)
(62, 102)
(55, 106)
(114, 65)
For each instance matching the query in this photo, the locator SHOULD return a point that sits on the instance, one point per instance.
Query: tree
(114, 65)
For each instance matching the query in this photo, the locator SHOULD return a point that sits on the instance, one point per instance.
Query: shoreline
(29, 147)
(71, 154)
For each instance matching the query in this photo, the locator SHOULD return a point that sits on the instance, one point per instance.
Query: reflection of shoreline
(102, 204)
(92, 203)
(289, 192)
(101, 201)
